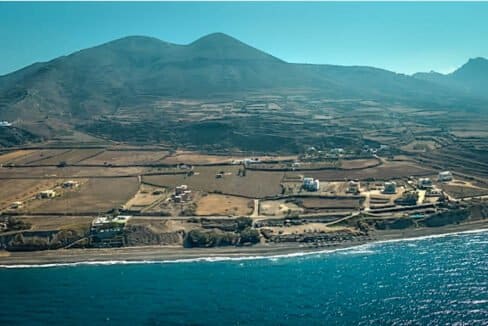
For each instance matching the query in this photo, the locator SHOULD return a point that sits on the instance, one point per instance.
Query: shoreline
(167, 254)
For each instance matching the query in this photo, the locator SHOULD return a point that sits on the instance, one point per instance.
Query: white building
(70, 184)
(353, 187)
(425, 183)
(311, 184)
(445, 176)
(390, 187)
(16, 205)
(46, 194)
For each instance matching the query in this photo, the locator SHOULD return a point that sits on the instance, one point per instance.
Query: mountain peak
(478, 60)
(217, 37)
(220, 45)
(474, 67)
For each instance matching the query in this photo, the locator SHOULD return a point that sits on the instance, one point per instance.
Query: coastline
(167, 254)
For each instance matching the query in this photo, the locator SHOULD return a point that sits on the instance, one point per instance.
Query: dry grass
(278, 208)
(127, 157)
(12, 156)
(223, 205)
(145, 197)
(96, 195)
(326, 203)
(196, 158)
(20, 190)
(30, 156)
(461, 192)
(71, 157)
(255, 184)
(49, 223)
(387, 171)
(69, 172)
(358, 164)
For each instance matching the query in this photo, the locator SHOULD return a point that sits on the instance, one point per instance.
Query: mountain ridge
(99, 79)
(470, 77)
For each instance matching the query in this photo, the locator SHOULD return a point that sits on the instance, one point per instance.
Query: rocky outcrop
(445, 218)
(41, 240)
(396, 224)
(332, 237)
(142, 235)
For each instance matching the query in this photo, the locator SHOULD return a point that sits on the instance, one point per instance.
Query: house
(353, 187)
(445, 176)
(16, 205)
(180, 189)
(46, 194)
(5, 124)
(390, 187)
(108, 231)
(424, 183)
(70, 184)
(311, 184)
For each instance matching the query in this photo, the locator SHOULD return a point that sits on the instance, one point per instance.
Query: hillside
(142, 89)
(98, 80)
(471, 78)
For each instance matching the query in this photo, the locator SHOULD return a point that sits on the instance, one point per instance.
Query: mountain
(131, 71)
(471, 78)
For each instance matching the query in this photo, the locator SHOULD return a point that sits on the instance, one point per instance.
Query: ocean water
(429, 281)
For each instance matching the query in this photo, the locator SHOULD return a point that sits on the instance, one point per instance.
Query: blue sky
(403, 37)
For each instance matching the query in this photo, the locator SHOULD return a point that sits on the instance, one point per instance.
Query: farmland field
(332, 203)
(70, 156)
(461, 192)
(96, 195)
(19, 190)
(214, 204)
(127, 157)
(358, 164)
(388, 170)
(255, 184)
(22, 157)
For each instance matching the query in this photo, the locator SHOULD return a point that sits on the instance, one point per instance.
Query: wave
(367, 248)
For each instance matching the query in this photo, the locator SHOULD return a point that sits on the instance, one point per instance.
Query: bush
(210, 238)
(447, 217)
(249, 235)
(243, 222)
(14, 224)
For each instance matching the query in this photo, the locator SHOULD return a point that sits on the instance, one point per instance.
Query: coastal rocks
(396, 224)
(40, 240)
(329, 237)
(141, 235)
(210, 238)
(217, 237)
(227, 225)
(446, 217)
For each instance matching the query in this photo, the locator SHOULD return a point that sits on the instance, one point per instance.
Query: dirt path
(255, 212)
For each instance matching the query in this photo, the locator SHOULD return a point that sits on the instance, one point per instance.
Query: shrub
(243, 222)
(249, 235)
(210, 238)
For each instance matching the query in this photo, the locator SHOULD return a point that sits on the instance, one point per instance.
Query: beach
(148, 254)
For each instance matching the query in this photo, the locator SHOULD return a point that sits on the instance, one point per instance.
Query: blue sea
(428, 281)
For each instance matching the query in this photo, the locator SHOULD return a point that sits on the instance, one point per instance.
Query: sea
(438, 280)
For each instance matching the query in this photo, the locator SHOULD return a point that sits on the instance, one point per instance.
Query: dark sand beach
(168, 253)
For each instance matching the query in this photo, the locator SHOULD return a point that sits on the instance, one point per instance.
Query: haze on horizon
(402, 37)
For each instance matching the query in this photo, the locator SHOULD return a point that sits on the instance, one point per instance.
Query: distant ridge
(472, 77)
(126, 71)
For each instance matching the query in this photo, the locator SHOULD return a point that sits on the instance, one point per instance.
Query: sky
(402, 37)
